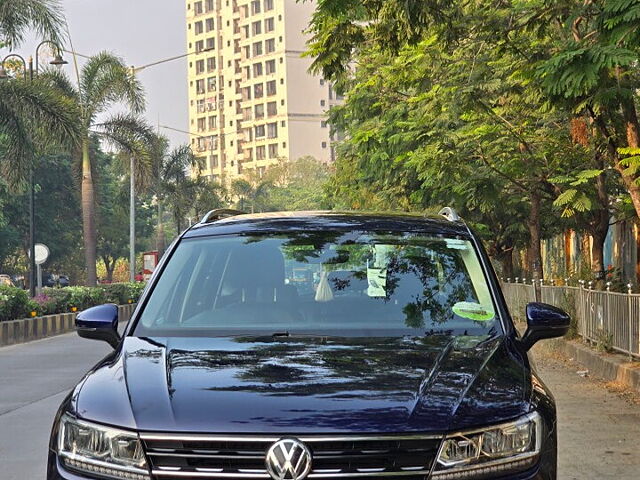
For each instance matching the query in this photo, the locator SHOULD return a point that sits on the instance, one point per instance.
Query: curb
(611, 367)
(29, 329)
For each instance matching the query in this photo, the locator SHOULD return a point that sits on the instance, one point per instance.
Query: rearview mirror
(99, 323)
(544, 321)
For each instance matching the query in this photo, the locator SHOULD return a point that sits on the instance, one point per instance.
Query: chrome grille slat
(184, 456)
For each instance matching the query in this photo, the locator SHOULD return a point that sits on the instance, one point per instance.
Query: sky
(141, 32)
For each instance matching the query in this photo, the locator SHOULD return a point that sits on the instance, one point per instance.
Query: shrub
(14, 303)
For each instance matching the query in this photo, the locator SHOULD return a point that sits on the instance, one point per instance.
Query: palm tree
(174, 185)
(250, 193)
(102, 82)
(19, 16)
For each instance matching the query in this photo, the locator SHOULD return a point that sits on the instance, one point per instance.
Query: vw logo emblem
(288, 459)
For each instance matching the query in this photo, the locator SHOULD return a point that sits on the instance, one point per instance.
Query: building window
(247, 51)
(321, 81)
(197, 8)
(199, 67)
(213, 161)
(322, 103)
(257, 69)
(245, 31)
(246, 113)
(211, 43)
(198, 28)
(208, 5)
(272, 109)
(258, 91)
(270, 67)
(270, 45)
(272, 130)
(257, 49)
(200, 106)
(211, 84)
(213, 122)
(249, 154)
(255, 7)
(261, 152)
(256, 28)
(324, 144)
(247, 73)
(211, 64)
(209, 24)
(271, 88)
(283, 124)
(273, 150)
(202, 124)
(199, 87)
(269, 25)
(268, 5)
(323, 124)
(259, 131)
(246, 93)
(259, 109)
(199, 46)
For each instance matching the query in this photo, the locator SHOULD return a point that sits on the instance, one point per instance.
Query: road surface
(598, 439)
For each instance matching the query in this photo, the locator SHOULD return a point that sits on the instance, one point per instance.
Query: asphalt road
(598, 438)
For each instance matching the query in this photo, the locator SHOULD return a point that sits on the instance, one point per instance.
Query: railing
(601, 317)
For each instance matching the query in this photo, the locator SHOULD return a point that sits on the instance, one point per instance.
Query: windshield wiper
(288, 334)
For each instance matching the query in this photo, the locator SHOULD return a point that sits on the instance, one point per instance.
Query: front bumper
(544, 470)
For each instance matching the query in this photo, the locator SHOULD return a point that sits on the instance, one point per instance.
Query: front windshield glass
(353, 284)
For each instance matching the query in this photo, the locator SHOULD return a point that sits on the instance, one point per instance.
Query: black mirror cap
(99, 323)
(544, 321)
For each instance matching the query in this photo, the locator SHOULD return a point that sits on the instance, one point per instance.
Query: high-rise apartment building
(251, 98)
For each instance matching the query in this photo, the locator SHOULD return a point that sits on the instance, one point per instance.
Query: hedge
(15, 302)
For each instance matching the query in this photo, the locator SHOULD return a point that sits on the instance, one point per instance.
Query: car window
(353, 284)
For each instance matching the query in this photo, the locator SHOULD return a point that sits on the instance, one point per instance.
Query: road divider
(29, 329)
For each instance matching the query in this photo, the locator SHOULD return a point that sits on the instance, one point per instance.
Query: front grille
(406, 457)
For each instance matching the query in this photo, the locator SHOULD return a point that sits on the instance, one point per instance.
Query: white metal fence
(601, 317)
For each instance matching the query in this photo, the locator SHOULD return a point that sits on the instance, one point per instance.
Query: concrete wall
(28, 329)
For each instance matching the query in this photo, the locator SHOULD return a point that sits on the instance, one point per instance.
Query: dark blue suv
(320, 345)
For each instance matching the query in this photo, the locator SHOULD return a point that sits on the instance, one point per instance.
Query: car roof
(282, 222)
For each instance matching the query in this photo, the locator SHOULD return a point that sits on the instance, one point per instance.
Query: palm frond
(17, 17)
(131, 136)
(32, 115)
(105, 80)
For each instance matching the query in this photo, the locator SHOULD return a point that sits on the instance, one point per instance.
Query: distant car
(6, 280)
(325, 346)
(63, 281)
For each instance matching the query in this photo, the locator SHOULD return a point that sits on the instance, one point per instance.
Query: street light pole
(132, 189)
(132, 222)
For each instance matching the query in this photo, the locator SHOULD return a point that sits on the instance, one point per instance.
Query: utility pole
(132, 221)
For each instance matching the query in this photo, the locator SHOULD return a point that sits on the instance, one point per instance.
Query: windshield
(321, 283)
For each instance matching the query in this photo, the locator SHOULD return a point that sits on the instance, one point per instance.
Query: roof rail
(220, 213)
(450, 214)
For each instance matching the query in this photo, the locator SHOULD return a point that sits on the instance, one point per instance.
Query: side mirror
(99, 323)
(544, 321)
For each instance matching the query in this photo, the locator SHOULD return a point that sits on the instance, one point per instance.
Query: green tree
(19, 16)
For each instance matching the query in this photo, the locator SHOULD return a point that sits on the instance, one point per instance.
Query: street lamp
(132, 194)
(58, 61)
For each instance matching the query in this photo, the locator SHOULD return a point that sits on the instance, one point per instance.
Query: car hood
(307, 385)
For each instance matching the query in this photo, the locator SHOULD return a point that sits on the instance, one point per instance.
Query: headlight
(96, 449)
(503, 449)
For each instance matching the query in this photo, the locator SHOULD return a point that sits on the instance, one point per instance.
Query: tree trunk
(535, 250)
(633, 141)
(160, 231)
(88, 216)
(506, 260)
(109, 266)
